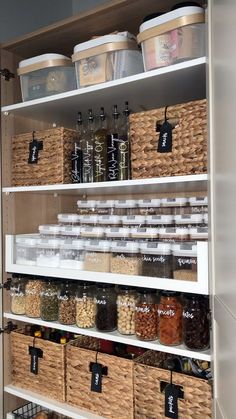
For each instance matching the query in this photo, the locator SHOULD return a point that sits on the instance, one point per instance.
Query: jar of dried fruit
(196, 322)
(67, 303)
(85, 305)
(17, 294)
(146, 319)
(170, 318)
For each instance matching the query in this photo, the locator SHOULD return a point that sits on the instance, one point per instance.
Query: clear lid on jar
(185, 249)
(159, 219)
(125, 247)
(133, 219)
(109, 203)
(49, 229)
(68, 218)
(86, 204)
(50, 243)
(72, 244)
(156, 248)
(88, 219)
(92, 231)
(109, 219)
(205, 218)
(174, 202)
(198, 233)
(147, 203)
(27, 239)
(70, 230)
(188, 219)
(117, 232)
(198, 201)
(173, 232)
(144, 232)
(126, 203)
(98, 245)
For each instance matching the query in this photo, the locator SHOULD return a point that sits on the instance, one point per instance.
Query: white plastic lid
(92, 231)
(173, 231)
(133, 219)
(174, 202)
(109, 219)
(68, 218)
(105, 204)
(98, 245)
(72, 244)
(88, 219)
(42, 58)
(27, 239)
(159, 219)
(126, 203)
(167, 17)
(86, 204)
(153, 248)
(125, 247)
(185, 249)
(54, 243)
(198, 232)
(144, 232)
(188, 219)
(117, 232)
(148, 203)
(205, 218)
(198, 201)
(70, 230)
(119, 37)
(49, 229)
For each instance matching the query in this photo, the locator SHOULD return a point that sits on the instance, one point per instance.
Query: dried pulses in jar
(32, 298)
(170, 318)
(49, 302)
(85, 306)
(126, 302)
(146, 319)
(66, 304)
(196, 324)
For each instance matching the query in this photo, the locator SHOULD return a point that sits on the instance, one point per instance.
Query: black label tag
(35, 354)
(165, 138)
(34, 147)
(171, 401)
(76, 165)
(96, 381)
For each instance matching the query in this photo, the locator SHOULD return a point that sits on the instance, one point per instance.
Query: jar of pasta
(170, 312)
(146, 316)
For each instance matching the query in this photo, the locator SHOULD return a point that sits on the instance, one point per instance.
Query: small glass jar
(144, 233)
(126, 207)
(33, 290)
(67, 304)
(70, 232)
(156, 260)
(189, 220)
(26, 249)
(149, 206)
(175, 206)
(106, 308)
(68, 219)
(48, 252)
(89, 232)
(17, 294)
(85, 305)
(196, 323)
(117, 233)
(160, 220)
(170, 312)
(146, 319)
(125, 258)
(105, 207)
(198, 233)
(185, 261)
(97, 256)
(198, 204)
(49, 301)
(173, 234)
(126, 303)
(134, 220)
(89, 220)
(85, 207)
(49, 231)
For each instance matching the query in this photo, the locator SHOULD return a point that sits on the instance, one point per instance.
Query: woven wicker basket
(50, 380)
(150, 402)
(116, 399)
(189, 141)
(54, 164)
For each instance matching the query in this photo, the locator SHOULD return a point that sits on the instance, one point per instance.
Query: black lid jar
(67, 304)
(170, 311)
(106, 309)
(146, 315)
(196, 323)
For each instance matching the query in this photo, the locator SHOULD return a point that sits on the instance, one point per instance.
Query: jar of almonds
(85, 305)
(146, 317)
(67, 303)
(17, 294)
(126, 302)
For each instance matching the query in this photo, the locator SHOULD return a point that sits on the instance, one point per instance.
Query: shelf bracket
(8, 328)
(4, 72)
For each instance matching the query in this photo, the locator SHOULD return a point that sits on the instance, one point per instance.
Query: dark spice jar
(106, 308)
(196, 323)
(170, 312)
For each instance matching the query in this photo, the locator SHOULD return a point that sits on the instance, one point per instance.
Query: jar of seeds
(85, 305)
(17, 294)
(67, 303)
(49, 301)
(126, 302)
(32, 297)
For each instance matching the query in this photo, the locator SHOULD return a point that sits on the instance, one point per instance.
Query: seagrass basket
(54, 164)
(50, 380)
(189, 141)
(116, 399)
(149, 398)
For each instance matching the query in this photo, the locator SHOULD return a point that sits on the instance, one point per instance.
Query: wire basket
(29, 411)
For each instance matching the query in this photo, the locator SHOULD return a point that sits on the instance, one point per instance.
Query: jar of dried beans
(17, 294)
(170, 318)
(32, 297)
(85, 305)
(146, 318)
(196, 323)
(49, 301)
(106, 308)
(67, 304)
(126, 303)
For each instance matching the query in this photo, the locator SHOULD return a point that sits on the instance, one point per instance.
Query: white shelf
(177, 83)
(189, 183)
(62, 408)
(115, 337)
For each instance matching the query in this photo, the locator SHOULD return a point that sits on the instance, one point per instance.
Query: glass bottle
(113, 146)
(67, 304)
(146, 319)
(124, 147)
(126, 303)
(100, 150)
(170, 312)
(49, 301)
(196, 323)
(76, 155)
(106, 309)
(17, 294)
(87, 145)
(85, 306)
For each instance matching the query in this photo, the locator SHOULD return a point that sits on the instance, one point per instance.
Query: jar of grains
(67, 303)
(106, 308)
(49, 301)
(185, 261)
(125, 258)
(170, 318)
(196, 323)
(17, 294)
(97, 256)
(146, 318)
(33, 290)
(156, 259)
(126, 303)
(85, 305)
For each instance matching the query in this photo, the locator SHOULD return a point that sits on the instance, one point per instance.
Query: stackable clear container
(156, 259)
(205, 218)
(198, 233)
(109, 220)
(48, 252)
(49, 231)
(85, 207)
(72, 254)
(175, 206)
(89, 232)
(198, 204)
(185, 261)
(125, 258)
(134, 220)
(144, 233)
(149, 206)
(68, 219)
(68, 232)
(25, 246)
(126, 207)
(117, 233)
(189, 220)
(97, 256)
(91, 220)
(173, 234)
(105, 207)
(160, 220)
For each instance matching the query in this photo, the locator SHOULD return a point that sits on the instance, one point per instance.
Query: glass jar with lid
(48, 252)
(174, 234)
(33, 290)
(26, 249)
(109, 221)
(196, 322)
(85, 305)
(125, 258)
(185, 261)
(134, 220)
(177, 205)
(106, 308)
(126, 303)
(97, 256)
(170, 312)
(189, 220)
(156, 259)
(117, 233)
(89, 220)
(49, 231)
(146, 318)
(49, 301)
(17, 294)
(105, 207)
(198, 233)
(86, 207)
(72, 254)
(198, 204)
(91, 232)
(67, 303)
(126, 207)
(149, 206)
(160, 220)
(144, 233)
(68, 219)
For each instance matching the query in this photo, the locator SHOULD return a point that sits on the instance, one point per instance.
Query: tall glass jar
(126, 303)
(196, 323)
(67, 303)
(170, 318)
(106, 309)
(17, 294)
(146, 319)
(85, 305)
(32, 297)
(49, 301)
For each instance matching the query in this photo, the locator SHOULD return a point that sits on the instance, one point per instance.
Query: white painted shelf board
(189, 183)
(114, 337)
(62, 408)
(177, 83)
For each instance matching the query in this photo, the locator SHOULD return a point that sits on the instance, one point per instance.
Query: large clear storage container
(174, 234)
(185, 261)
(160, 220)
(25, 246)
(97, 256)
(105, 207)
(91, 220)
(198, 204)
(33, 290)
(67, 303)
(48, 253)
(72, 254)
(68, 232)
(198, 233)
(134, 220)
(196, 322)
(144, 233)
(149, 206)
(68, 219)
(156, 259)
(49, 301)
(125, 258)
(110, 220)
(49, 230)
(86, 207)
(89, 232)
(117, 233)
(126, 207)
(178, 205)
(189, 220)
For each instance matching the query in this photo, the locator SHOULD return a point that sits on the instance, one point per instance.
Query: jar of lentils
(126, 303)
(85, 305)
(196, 323)
(49, 301)
(170, 312)
(106, 309)
(146, 319)
(67, 303)
(33, 290)
(17, 294)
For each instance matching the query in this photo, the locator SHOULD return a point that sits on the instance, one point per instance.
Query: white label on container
(182, 261)
(142, 309)
(169, 313)
(188, 315)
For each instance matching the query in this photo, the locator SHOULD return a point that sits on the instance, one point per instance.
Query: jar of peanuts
(126, 302)
(66, 303)
(85, 305)
(146, 318)
(170, 318)
(33, 290)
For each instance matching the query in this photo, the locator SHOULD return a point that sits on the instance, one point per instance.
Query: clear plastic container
(117, 233)
(159, 220)
(189, 220)
(85, 306)
(48, 252)
(85, 207)
(126, 207)
(106, 58)
(126, 303)
(17, 294)
(175, 206)
(125, 258)
(68, 232)
(45, 75)
(144, 233)
(105, 207)
(49, 231)
(134, 220)
(170, 312)
(33, 290)
(91, 220)
(198, 234)
(146, 318)
(26, 249)
(198, 204)
(67, 304)
(97, 256)
(174, 234)
(205, 218)
(173, 37)
(92, 232)
(109, 220)
(185, 261)
(72, 254)
(106, 308)
(149, 206)
(68, 219)
(156, 260)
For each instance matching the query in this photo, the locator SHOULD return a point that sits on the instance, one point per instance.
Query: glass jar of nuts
(126, 302)
(85, 305)
(146, 319)
(67, 304)
(17, 294)
(32, 297)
